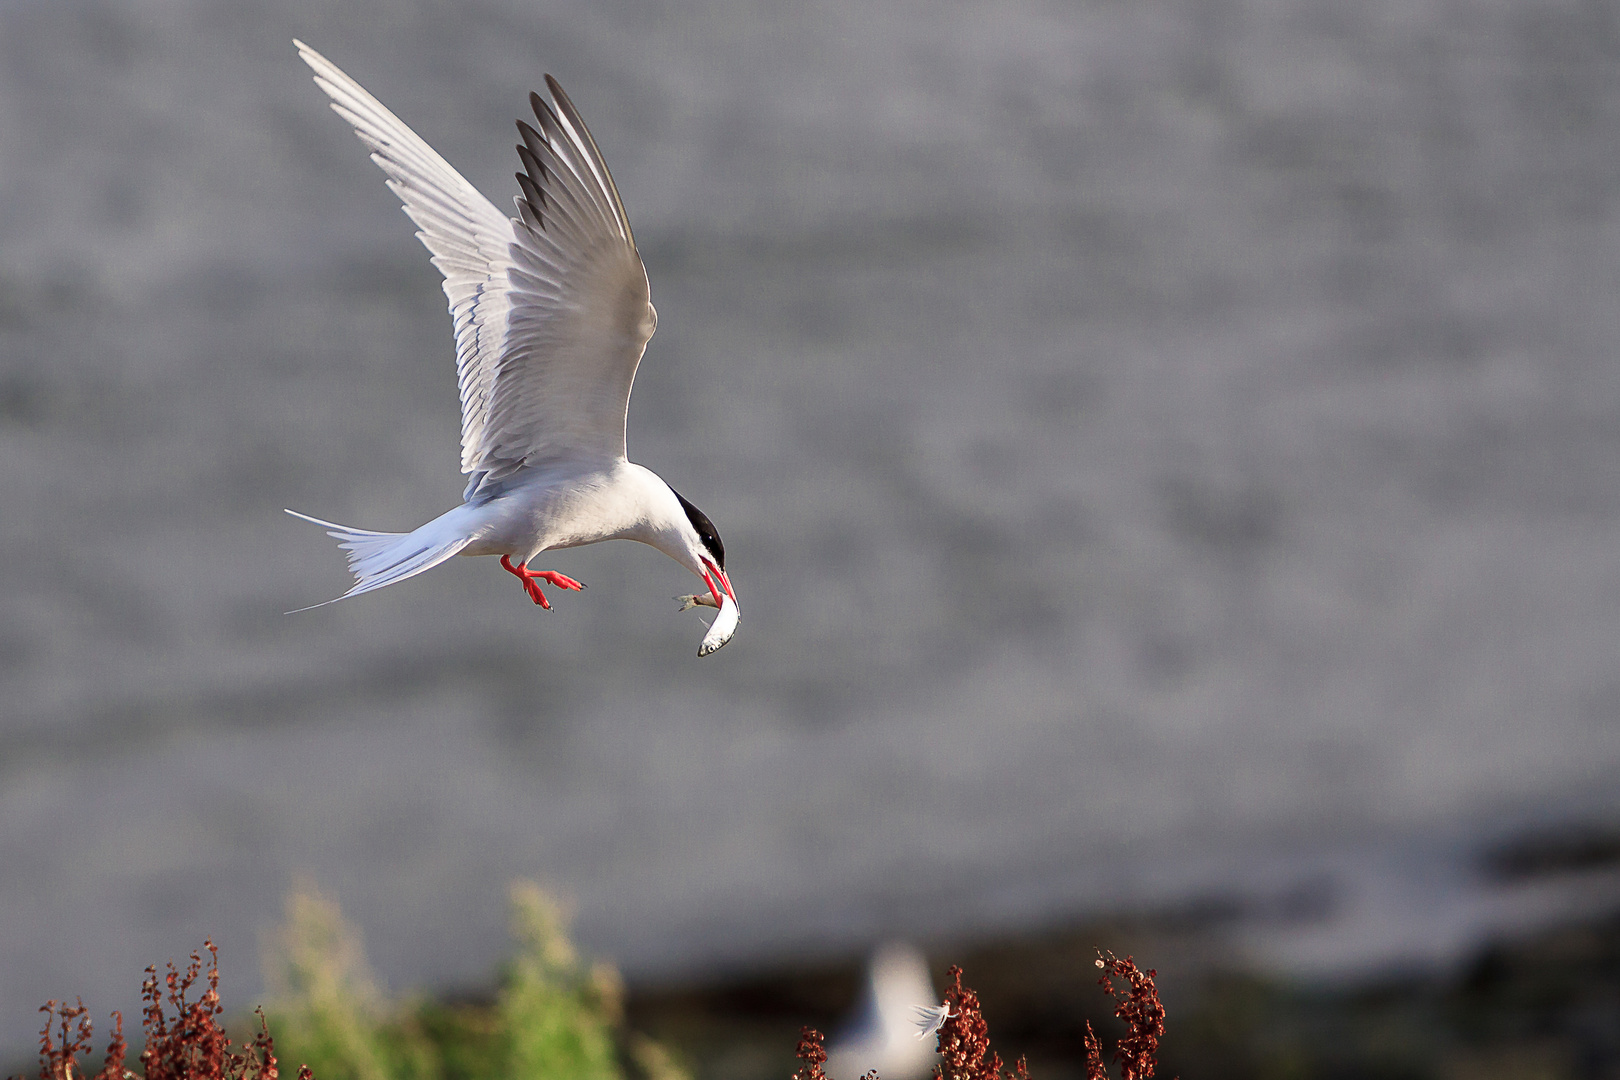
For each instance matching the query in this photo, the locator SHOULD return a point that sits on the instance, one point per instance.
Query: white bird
(884, 1034)
(552, 314)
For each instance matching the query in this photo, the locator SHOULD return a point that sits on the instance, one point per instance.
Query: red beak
(720, 577)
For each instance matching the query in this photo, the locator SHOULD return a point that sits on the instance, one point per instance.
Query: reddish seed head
(1138, 1005)
(1095, 1069)
(61, 1063)
(813, 1053)
(964, 1039)
(188, 1046)
(112, 1067)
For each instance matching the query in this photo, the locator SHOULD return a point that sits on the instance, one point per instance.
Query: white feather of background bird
(882, 1033)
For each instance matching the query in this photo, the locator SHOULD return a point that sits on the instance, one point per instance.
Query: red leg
(521, 571)
(529, 577)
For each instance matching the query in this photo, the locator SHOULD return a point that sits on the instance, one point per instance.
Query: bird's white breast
(571, 509)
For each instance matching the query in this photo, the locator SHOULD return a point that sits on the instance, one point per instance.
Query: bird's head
(705, 556)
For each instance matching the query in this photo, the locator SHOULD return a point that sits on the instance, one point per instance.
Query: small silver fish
(724, 625)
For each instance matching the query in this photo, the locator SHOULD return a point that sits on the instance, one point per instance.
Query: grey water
(1164, 450)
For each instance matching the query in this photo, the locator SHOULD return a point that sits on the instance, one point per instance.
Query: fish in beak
(720, 596)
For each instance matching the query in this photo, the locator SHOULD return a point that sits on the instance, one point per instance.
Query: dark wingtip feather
(532, 202)
(530, 161)
(527, 208)
(566, 105)
(529, 153)
(530, 190)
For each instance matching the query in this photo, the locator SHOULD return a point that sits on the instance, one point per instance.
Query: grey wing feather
(468, 237)
(580, 311)
(551, 309)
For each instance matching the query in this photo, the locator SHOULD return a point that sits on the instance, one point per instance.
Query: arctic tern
(552, 313)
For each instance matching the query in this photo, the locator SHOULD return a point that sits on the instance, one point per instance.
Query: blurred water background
(1168, 455)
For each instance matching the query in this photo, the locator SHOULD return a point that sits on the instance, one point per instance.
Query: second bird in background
(882, 1032)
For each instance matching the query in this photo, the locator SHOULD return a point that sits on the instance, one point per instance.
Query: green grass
(554, 1018)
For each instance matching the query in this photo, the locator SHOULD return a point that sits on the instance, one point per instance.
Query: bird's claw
(562, 581)
(531, 578)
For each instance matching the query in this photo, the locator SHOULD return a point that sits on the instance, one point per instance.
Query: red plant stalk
(194, 1048)
(813, 1053)
(964, 1039)
(1138, 1005)
(191, 1047)
(58, 1064)
(1095, 1069)
(112, 1066)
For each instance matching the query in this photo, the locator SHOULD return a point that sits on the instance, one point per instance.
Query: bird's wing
(551, 308)
(469, 239)
(580, 310)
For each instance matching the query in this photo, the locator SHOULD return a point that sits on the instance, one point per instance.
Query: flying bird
(552, 313)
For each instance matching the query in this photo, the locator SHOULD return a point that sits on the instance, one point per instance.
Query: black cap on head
(705, 530)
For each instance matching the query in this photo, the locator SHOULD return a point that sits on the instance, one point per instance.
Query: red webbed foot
(530, 578)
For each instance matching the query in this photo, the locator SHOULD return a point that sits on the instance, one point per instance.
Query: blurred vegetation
(553, 1018)
(1545, 1006)
(182, 1037)
(1542, 1006)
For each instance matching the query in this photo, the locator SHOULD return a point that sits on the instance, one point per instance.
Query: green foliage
(557, 1019)
(554, 1018)
(327, 1007)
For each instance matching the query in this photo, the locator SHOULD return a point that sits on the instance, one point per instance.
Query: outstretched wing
(469, 239)
(580, 312)
(551, 308)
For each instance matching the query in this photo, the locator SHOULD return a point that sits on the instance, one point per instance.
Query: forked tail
(382, 558)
